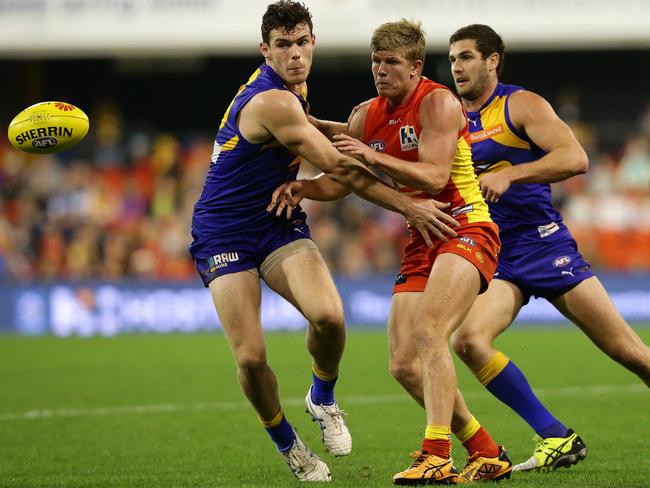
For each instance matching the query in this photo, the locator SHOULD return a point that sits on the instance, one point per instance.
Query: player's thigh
(452, 287)
(237, 298)
(401, 324)
(588, 306)
(492, 312)
(304, 280)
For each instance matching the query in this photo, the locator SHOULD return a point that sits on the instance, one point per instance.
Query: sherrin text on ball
(48, 127)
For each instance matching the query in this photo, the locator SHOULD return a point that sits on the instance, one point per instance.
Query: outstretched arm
(280, 113)
(291, 193)
(440, 119)
(328, 128)
(535, 117)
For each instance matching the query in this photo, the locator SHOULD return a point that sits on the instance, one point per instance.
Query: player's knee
(460, 344)
(466, 345)
(251, 363)
(402, 369)
(328, 318)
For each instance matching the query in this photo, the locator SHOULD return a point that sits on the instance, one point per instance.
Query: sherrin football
(48, 127)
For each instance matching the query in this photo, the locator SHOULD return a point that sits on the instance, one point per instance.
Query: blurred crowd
(120, 205)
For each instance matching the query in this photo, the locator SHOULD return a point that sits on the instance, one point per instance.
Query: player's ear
(417, 67)
(264, 49)
(493, 61)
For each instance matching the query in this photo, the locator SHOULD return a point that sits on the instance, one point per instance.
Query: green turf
(195, 429)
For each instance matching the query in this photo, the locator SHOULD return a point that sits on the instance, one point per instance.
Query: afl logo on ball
(561, 261)
(44, 142)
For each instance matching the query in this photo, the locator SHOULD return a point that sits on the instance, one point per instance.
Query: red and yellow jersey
(396, 131)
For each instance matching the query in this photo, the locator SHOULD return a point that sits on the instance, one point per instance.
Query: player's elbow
(435, 182)
(575, 160)
(435, 187)
(581, 165)
(328, 166)
(341, 170)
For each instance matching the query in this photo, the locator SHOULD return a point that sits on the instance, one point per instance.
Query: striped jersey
(243, 175)
(395, 131)
(525, 211)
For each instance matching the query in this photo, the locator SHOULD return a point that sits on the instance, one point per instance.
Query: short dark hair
(487, 41)
(285, 15)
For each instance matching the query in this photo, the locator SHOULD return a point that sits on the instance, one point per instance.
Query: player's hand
(493, 185)
(428, 218)
(355, 147)
(356, 108)
(286, 196)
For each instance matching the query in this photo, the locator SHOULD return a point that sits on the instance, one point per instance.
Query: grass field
(166, 411)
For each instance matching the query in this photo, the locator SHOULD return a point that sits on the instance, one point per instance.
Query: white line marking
(568, 391)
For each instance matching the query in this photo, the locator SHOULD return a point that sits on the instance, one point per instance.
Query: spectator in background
(634, 168)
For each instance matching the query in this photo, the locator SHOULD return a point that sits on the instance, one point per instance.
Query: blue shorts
(245, 250)
(544, 269)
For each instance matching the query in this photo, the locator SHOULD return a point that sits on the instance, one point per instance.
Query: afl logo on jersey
(561, 261)
(407, 138)
(467, 240)
(377, 145)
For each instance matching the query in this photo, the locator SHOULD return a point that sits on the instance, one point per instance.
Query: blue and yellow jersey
(525, 211)
(243, 175)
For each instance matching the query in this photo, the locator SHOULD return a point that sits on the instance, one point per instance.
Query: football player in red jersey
(416, 132)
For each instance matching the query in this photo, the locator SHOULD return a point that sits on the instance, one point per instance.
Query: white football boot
(304, 464)
(335, 434)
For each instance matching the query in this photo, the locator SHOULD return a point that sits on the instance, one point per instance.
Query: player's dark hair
(487, 41)
(285, 15)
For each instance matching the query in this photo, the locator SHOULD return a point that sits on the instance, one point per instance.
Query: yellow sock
(274, 422)
(437, 432)
(493, 367)
(469, 429)
(322, 374)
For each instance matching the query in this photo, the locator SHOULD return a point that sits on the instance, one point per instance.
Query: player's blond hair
(403, 36)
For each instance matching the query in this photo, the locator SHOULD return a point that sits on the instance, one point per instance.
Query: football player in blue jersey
(520, 146)
(261, 139)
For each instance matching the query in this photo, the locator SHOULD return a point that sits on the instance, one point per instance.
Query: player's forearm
(328, 128)
(323, 189)
(357, 178)
(558, 165)
(428, 177)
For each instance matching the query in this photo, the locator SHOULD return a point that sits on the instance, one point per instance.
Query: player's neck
(296, 89)
(477, 103)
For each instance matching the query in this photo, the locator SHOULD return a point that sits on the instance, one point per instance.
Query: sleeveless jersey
(524, 213)
(395, 131)
(243, 175)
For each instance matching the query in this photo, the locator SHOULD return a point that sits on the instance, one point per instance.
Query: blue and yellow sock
(506, 382)
(280, 431)
(322, 391)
